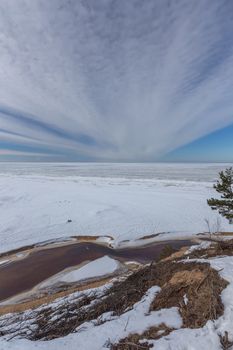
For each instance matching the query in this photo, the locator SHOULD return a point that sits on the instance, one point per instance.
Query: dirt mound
(194, 288)
(195, 291)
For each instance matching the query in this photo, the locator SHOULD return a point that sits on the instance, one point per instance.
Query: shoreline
(46, 289)
(13, 271)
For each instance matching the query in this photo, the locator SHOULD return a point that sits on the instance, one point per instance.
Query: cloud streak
(114, 80)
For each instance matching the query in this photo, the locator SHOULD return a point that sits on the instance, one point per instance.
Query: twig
(126, 324)
(203, 280)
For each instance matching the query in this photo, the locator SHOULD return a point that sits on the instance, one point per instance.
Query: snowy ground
(125, 201)
(137, 319)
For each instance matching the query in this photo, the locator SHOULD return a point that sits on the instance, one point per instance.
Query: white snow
(138, 319)
(3, 262)
(122, 200)
(186, 299)
(200, 246)
(37, 200)
(99, 267)
(91, 336)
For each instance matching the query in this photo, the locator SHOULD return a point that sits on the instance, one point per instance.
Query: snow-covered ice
(96, 268)
(125, 201)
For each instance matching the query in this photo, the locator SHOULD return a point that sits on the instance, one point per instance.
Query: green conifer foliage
(225, 187)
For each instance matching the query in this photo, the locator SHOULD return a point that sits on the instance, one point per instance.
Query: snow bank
(96, 268)
(99, 267)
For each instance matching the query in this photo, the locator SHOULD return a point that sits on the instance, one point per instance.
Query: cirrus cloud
(113, 80)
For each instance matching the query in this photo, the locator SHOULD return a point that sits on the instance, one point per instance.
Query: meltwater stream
(22, 275)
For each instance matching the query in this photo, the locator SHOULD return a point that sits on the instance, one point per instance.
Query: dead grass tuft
(201, 286)
(193, 287)
(136, 341)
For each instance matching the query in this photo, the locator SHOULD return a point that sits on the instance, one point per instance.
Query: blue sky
(118, 80)
(215, 147)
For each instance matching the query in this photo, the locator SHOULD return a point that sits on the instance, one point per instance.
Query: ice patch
(97, 268)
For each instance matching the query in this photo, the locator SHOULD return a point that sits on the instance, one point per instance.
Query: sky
(116, 80)
(215, 147)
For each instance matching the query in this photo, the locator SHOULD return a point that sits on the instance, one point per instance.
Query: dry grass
(217, 248)
(199, 282)
(35, 303)
(177, 255)
(92, 239)
(202, 286)
(224, 234)
(135, 341)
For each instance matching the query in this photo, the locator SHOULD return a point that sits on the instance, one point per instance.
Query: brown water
(22, 275)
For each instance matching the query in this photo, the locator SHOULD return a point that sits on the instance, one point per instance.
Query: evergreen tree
(224, 186)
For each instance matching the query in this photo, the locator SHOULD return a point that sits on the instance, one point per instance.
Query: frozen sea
(126, 201)
(198, 172)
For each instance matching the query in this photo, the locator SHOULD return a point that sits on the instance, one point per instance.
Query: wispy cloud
(10, 152)
(114, 80)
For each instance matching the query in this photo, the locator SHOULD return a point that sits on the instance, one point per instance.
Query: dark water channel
(22, 275)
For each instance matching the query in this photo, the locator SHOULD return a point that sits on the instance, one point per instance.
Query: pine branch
(224, 186)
